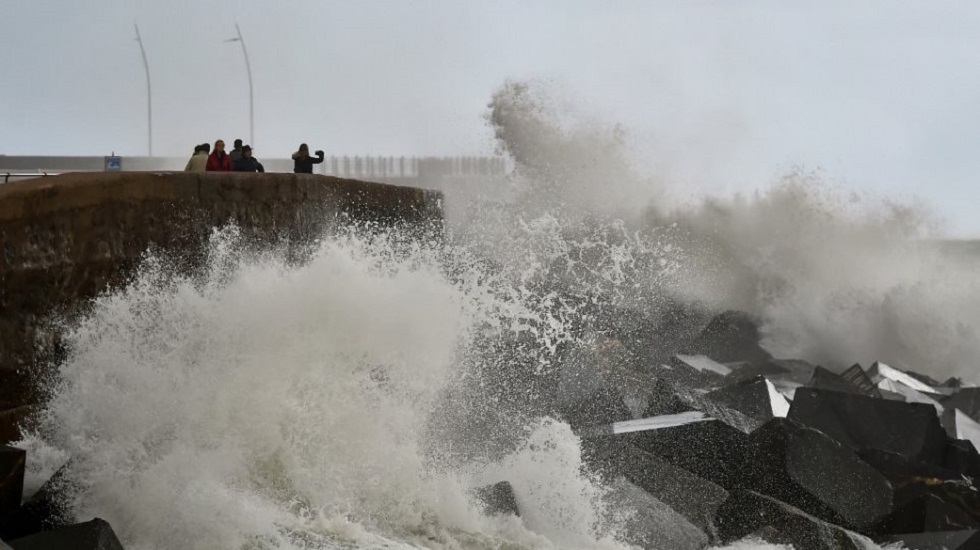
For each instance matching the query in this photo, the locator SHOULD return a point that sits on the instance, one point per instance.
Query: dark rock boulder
(693, 440)
(695, 498)
(11, 421)
(497, 499)
(953, 382)
(688, 371)
(797, 369)
(959, 493)
(676, 324)
(745, 370)
(859, 379)
(823, 379)
(948, 540)
(900, 469)
(45, 510)
(650, 523)
(669, 398)
(597, 382)
(711, 450)
(730, 336)
(12, 463)
(925, 514)
(966, 400)
(923, 499)
(909, 429)
(924, 378)
(959, 425)
(796, 373)
(750, 513)
(853, 380)
(961, 456)
(755, 397)
(91, 535)
(603, 406)
(807, 469)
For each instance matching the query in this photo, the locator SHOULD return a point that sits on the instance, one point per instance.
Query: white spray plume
(835, 278)
(277, 406)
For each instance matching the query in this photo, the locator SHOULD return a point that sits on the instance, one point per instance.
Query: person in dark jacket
(248, 163)
(219, 161)
(303, 162)
(236, 152)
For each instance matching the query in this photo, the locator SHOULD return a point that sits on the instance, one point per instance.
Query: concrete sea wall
(64, 239)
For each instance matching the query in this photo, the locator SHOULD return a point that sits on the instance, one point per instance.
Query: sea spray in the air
(834, 277)
(266, 405)
(353, 398)
(837, 281)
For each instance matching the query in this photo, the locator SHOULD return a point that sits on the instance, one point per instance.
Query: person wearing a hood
(303, 162)
(248, 163)
(219, 161)
(199, 160)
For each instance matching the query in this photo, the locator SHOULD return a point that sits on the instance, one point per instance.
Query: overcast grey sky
(883, 97)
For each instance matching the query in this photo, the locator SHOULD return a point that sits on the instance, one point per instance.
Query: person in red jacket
(219, 161)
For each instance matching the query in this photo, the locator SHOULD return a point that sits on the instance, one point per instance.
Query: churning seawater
(352, 399)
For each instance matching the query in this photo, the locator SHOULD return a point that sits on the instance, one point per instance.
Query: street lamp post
(149, 102)
(251, 102)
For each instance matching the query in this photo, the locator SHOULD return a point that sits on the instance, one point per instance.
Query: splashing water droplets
(351, 397)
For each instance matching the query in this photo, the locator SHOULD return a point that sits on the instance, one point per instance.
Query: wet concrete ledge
(64, 239)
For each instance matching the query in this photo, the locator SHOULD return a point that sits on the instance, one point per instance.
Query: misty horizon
(715, 98)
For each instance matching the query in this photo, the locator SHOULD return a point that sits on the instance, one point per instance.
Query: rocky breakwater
(790, 452)
(64, 239)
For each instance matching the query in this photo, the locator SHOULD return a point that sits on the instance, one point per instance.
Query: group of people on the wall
(240, 159)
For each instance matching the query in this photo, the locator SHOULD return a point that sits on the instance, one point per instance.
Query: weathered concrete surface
(63, 239)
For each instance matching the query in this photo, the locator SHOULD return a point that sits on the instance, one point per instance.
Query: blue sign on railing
(113, 164)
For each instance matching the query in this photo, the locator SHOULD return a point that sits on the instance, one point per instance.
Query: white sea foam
(352, 401)
(283, 407)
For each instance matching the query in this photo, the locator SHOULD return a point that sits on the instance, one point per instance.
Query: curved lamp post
(149, 103)
(251, 103)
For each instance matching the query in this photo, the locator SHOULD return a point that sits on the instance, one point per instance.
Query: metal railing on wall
(411, 167)
(349, 166)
